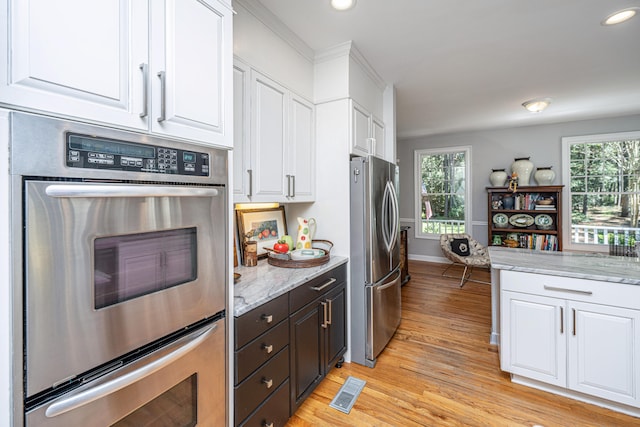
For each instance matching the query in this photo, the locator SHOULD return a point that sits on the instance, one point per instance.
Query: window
(603, 203)
(442, 189)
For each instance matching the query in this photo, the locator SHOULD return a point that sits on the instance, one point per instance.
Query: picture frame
(267, 225)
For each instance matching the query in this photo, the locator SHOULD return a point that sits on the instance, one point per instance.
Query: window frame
(568, 244)
(417, 178)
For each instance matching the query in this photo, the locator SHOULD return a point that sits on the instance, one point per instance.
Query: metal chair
(478, 257)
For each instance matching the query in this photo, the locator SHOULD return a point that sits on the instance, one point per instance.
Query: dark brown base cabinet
(285, 347)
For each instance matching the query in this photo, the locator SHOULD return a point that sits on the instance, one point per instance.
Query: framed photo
(265, 226)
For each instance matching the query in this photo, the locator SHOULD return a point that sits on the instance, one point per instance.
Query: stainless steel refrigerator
(375, 257)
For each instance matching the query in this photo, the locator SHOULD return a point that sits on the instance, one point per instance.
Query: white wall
(493, 149)
(6, 344)
(263, 49)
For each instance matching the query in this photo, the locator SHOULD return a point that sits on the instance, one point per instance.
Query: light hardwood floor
(439, 370)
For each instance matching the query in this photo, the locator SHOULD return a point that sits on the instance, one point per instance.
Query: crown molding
(274, 23)
(349, 48)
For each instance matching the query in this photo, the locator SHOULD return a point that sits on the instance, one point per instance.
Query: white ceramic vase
(523, 167)
(544, 176)
(498, 177)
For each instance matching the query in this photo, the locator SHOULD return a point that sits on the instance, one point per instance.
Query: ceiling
(461, 65)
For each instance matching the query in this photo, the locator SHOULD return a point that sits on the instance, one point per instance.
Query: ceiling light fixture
(342, 4)
(537, 105)
(620, 16)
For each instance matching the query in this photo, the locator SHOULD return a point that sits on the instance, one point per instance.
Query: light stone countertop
(568, 264)
(260, 284)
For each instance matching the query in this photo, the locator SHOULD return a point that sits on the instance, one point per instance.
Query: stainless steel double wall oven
(124, 275)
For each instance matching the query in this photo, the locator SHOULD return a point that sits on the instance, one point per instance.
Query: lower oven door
(182, 384)
(113, 267)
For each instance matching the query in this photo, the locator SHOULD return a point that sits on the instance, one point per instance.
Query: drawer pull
(562, 320)
(572, 291)
(268, 383)
(574, 321)
(324, 314)
(267, 348)
(329, 282)
(267, 318)
(267, 424)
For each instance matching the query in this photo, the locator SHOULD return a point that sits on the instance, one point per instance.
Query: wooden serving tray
(285, 261)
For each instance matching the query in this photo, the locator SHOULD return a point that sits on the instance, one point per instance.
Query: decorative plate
(544, 220)
(500, 220)
(521, 220)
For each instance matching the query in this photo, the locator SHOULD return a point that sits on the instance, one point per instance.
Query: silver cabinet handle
(288, 185)
(267, 318)
(562, 320)
(293, 193)
(267, 382)
(319, 288)
(105, 191)
(574, 321)
(75, 400)
(250, 172)
(163, 96)
(330, 310)
(571, 291)
(324, 314)
(145, 89)
(267, 348)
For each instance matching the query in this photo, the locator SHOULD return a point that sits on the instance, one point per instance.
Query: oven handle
(101, 191)
(76, 400)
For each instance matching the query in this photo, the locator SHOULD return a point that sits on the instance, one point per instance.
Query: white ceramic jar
(544, 176)
(498, 177)
(523, 167)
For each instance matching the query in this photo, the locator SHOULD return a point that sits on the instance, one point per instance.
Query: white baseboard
(427, 258)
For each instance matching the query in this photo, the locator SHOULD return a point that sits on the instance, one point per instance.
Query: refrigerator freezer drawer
(383, 311)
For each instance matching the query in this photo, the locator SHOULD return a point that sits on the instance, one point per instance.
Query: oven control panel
(90, 152)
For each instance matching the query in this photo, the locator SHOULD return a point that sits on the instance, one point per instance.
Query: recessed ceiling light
(620, 16)
(342, 4)
(537, 105)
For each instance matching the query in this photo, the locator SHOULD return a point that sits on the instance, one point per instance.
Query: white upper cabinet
(301, 169)
(278, 164)
(241, 132)
(164, 69)
(191, 70)
(367, 132)
(268, 136)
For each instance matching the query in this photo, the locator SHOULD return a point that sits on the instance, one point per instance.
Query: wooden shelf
(550, 238)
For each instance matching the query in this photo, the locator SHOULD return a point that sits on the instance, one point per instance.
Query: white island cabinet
(162, 67)
(574, 336)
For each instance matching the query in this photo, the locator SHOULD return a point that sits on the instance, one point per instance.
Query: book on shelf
(540, 242)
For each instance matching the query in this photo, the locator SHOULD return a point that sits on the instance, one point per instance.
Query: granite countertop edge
(590, 266)
(265, 282)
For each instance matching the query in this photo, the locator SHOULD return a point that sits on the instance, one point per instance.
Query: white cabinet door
(360, 130)
(268, 136)
(76, 58)
(191, 70)
(377, 133)
(301, 151)
(533, 338)
(604, 351)
(241, 133)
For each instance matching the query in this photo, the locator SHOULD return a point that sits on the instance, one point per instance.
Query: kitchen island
(569, 323)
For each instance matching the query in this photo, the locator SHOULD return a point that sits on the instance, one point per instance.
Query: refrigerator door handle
(385, 219)
(395, 223)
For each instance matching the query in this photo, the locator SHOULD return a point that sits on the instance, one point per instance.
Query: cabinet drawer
(261, 384)
(260, 319)
(263, 348)
(570, 288)
(274, 411)
(315, 288)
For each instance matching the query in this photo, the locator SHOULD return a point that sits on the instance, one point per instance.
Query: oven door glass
(126, 267)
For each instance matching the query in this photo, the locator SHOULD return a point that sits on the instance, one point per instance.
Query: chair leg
(464, 278)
